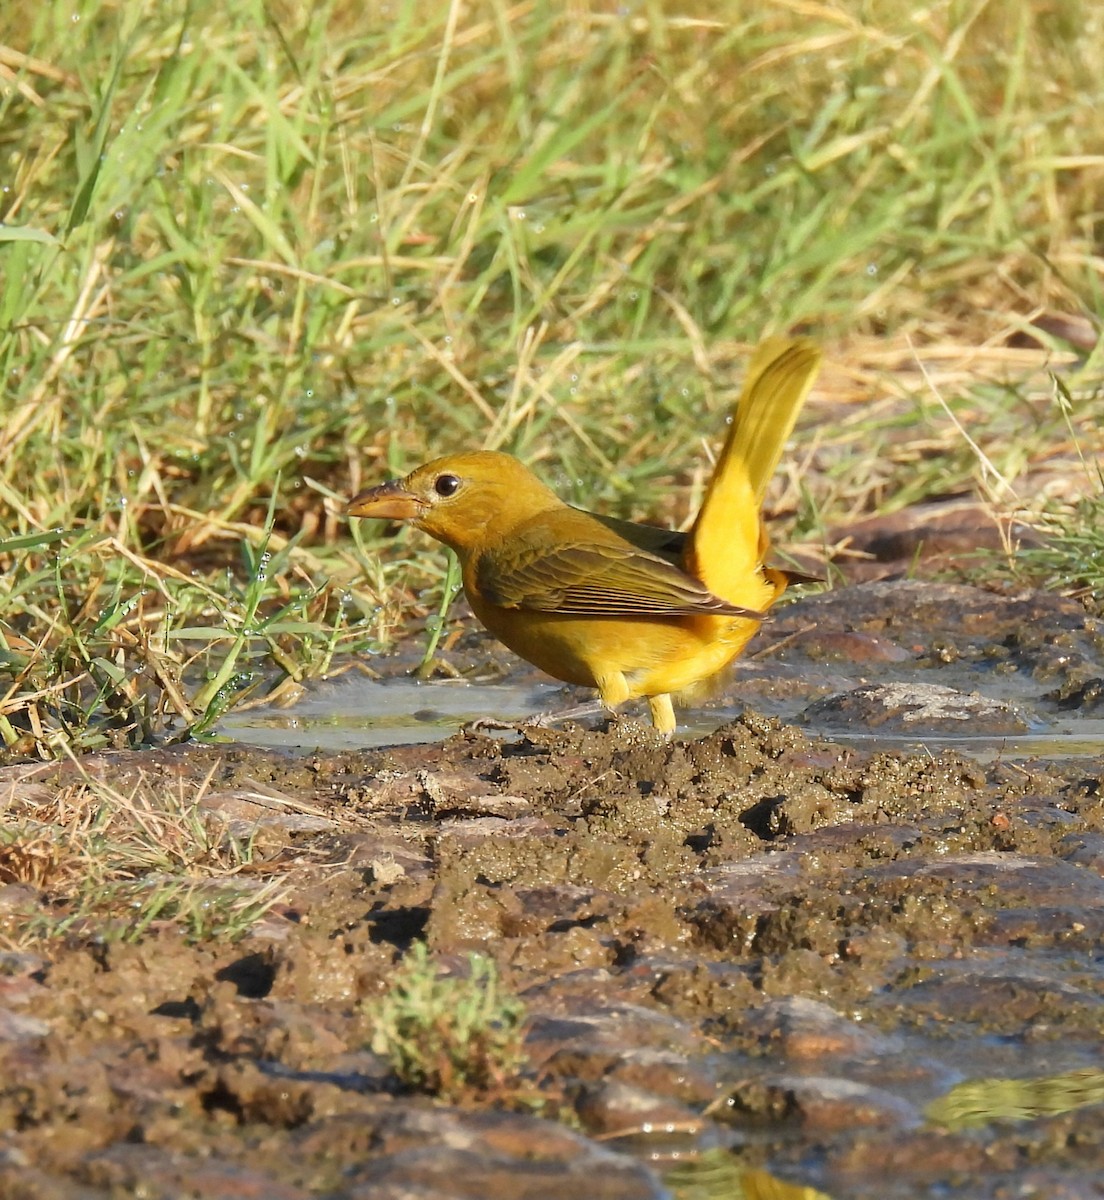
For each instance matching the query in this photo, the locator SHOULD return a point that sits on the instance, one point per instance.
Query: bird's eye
(446, 485)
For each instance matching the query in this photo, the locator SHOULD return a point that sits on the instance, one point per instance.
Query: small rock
(824, 1103)
(14, 1027)
(810, 1029)
(138, 1170)
(912, 709)
(495, 1156)
(613, 1108)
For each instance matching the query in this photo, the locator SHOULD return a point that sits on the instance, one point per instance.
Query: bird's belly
(655, 655)
(706, 645)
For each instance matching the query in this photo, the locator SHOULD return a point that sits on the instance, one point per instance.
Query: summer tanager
(632, 610)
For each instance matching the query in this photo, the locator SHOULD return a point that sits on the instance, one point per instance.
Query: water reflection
(718, 1175)
(985, 1101)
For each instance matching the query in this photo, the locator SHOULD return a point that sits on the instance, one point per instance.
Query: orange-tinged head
(463, 500)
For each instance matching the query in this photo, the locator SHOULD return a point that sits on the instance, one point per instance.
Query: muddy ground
(849, 950)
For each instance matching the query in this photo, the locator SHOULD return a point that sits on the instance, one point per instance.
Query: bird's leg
(663, 714)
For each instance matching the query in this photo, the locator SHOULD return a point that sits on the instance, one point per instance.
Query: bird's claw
(540, 720)
(485, 724)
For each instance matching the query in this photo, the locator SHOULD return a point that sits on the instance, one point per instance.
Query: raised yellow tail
(727, 543)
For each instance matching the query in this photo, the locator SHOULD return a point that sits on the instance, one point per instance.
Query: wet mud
(848, 943)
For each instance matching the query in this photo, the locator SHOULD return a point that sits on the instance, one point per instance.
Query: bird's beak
(388, 501)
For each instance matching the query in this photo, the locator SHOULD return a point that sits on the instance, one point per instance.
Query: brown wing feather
(670, 543)
(596, 580)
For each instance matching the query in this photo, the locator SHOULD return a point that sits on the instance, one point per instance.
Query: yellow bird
(632, 610)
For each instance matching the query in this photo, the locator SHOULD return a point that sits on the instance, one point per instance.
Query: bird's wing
(593, 579)
(653, 539)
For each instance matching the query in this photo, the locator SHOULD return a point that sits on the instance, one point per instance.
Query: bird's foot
(542, 720)
(545, 720)
(487, 724)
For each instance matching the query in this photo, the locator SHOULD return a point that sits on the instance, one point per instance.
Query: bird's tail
(727, 544)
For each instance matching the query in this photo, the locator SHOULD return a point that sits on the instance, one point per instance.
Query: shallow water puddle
(357, 713)
(1068, 739)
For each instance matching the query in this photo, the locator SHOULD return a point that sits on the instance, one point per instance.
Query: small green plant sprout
(454, 1038)
(1071, 559)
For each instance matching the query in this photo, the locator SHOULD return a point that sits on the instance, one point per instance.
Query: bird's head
(462, 499)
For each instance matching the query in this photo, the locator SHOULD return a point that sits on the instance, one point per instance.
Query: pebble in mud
(614, 1108)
